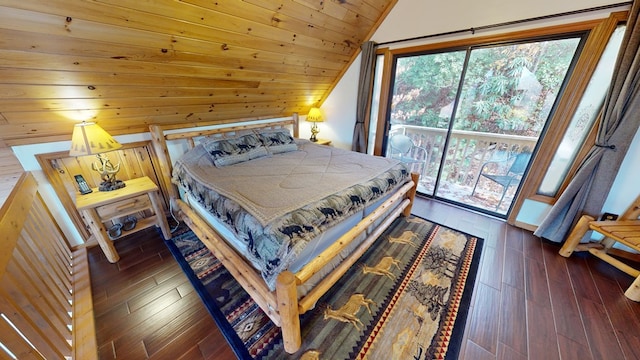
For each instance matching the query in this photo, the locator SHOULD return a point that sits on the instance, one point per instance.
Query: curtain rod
(473, 30)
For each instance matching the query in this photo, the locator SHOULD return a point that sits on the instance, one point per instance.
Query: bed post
(287, 297)
(411, 194)
(296, 123)
(162, 153)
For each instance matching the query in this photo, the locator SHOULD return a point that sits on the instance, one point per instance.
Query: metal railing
(467, 151)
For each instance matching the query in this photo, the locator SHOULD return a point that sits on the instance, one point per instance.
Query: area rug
(407, 298)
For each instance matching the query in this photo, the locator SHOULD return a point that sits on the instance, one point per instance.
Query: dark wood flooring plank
(515, 238)
(567, 314)
(168, 273)
(193, 353)
(143, 298)
(171, 344)
(513, 271)
(606, 270)
(106, 351)
(496, 236)
(189, 323)
(600, 334)
(541, 333)
(212, 348)
(475, 352)
(185, 289)
(513, 319)
(485, 318)
(109, 317)
(532, 246)
(121, 294)
(618, 308)
(569, 349)
(492, 267)
(138, 273)
(143, 326)
(507, 353)
(582, 281)
(143, 320)
(537, 287)
(556, 265)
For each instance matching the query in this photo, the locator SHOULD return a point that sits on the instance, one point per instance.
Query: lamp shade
(314, 115)
(89, 139)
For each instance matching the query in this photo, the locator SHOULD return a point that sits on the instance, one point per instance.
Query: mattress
(283, 208)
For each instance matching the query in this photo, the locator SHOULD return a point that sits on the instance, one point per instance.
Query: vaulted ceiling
(129, 63)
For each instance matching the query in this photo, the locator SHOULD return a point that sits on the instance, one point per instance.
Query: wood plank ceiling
(129, 63)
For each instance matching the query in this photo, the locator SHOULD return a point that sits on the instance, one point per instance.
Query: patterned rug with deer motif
(407, 298)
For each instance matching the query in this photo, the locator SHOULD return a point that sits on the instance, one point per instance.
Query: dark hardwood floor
(529, 302)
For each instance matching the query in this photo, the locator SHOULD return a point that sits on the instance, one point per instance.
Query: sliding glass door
(469, 119)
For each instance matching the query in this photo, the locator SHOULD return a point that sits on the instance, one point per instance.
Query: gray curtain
(589, 188)
(367, 57)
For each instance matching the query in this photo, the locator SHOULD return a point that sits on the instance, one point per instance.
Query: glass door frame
(599, 32)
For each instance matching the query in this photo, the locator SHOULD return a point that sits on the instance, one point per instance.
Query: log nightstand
(100, 207)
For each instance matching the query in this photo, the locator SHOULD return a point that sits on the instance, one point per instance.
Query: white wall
(340, 111)
(625, 188)
(414, 18)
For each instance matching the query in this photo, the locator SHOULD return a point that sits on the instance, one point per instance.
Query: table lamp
(90, 139)
(315, 117)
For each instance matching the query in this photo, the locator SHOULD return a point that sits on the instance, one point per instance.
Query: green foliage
(507, 89)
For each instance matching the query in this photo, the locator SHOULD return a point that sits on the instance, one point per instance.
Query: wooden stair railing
(46, 307)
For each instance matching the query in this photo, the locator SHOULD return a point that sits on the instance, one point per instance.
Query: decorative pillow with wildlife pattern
(229, 151)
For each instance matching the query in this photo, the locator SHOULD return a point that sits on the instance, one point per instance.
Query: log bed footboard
(284, 305)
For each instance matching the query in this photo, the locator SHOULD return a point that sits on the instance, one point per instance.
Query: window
(583, 119)
(470, 107)
(473, 111)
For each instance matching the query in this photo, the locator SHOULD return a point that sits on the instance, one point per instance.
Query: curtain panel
(367, 56)
(589, 188)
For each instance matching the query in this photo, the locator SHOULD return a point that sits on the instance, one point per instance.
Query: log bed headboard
(160, 141)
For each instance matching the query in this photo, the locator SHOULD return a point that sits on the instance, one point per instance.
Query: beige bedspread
(287, 181)
(277, 204)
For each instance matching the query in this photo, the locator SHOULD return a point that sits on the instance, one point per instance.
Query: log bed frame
(282, 305)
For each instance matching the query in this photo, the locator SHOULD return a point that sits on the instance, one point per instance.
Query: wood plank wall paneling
(130, 64)
(10, 172)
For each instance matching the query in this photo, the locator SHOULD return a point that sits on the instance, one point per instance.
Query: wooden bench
(625, 230)
(46, 306)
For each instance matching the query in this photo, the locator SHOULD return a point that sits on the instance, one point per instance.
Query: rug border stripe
(455, 343)
(225, 328)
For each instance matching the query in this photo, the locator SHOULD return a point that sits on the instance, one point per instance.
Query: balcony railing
(466, 154)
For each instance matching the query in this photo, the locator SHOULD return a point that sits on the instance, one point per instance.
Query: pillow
(277, 140)
(229, 151)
